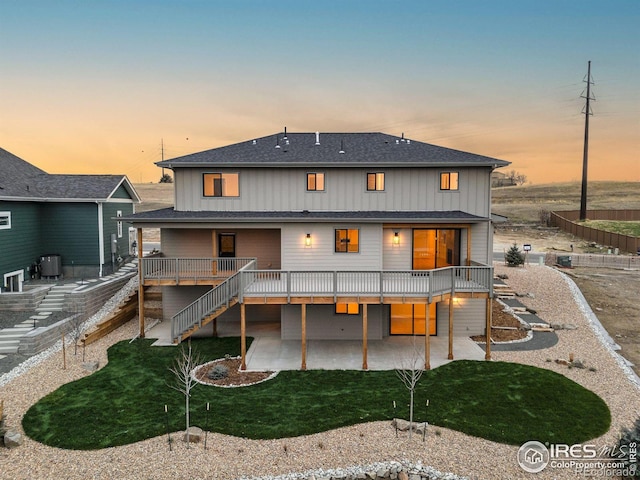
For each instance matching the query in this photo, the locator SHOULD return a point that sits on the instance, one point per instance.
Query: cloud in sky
(94, 86)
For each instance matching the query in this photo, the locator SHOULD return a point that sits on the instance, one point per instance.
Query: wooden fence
(567, 221)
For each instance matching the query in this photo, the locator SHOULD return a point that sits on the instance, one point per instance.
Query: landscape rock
(193, 435)
(12, 439)
(91, 366)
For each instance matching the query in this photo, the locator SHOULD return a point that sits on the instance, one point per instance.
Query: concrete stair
(54, 300)
(10, 338)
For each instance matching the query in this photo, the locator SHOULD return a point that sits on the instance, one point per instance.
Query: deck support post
(489, 314)
(215, 326)
(450, 357)
(427, 340)
(365, 328)
(141, 286)
(243, 337)
(303, 335)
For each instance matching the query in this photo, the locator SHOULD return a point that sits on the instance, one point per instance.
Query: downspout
(100, 237)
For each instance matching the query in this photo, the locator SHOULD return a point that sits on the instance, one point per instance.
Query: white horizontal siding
(321, 255)
(468, 317)
(284, 189)
(324, 324)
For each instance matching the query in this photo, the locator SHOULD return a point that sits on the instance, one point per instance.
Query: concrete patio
(269, 352)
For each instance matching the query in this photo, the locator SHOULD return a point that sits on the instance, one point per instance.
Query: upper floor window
(221, 185)
(375, 181)
(348, 308)
(347, 240)
(5, 220)
(315, 182)
(449, 181)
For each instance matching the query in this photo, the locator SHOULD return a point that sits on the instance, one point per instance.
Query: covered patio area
(269, 352)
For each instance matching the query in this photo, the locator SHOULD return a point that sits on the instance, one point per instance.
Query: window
(315, 182)
(375, 181)
(5, 220)
(347, 240)
(221, 185)
(348, 308)
(449, 181)
(119, 214)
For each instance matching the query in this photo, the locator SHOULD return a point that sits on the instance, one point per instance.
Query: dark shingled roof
(169, 215)
(21, 180)
(334, 149)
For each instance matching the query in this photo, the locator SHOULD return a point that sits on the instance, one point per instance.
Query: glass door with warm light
(410, 319)
(435, 248)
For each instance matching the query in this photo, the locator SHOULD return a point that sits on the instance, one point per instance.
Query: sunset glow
(95, 87)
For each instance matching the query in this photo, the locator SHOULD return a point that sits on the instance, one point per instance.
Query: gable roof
(333, 149)
(22, 181)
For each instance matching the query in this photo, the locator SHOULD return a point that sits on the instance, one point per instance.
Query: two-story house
(70, 221)
(339, 235)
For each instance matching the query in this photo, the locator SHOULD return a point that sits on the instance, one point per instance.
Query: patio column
(365, 328)
(141, 285)
(427, 340)
(489, 315)
(450, 357)
(243, 337)
(303, 336)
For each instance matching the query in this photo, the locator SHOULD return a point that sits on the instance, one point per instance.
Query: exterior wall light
(307, 240)
(396, 238)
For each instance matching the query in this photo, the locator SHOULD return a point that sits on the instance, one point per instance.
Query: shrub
(218, 372)
(514, 256)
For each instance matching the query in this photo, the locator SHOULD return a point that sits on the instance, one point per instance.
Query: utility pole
(585, 156)
(162, 154)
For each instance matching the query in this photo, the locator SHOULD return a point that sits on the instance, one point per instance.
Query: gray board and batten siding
(273, 189)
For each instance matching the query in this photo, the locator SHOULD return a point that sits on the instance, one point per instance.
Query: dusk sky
(93, 86)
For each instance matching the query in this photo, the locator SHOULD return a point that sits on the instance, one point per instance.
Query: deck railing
(191, 269)
(408, 283)
(219, 296)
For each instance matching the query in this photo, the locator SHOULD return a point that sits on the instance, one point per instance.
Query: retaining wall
(88, 299)
(594, 260)
(28, 299)
(41, 338)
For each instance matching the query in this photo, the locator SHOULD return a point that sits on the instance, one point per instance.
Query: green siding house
(71, 219)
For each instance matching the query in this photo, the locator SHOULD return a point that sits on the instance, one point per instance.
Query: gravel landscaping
(357, 448)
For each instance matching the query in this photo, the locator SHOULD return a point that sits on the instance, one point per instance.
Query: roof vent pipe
(277, 141)
(285, 133)
(397, 142)
(341, 146)
(402, 139)
(317, 138)
(254, 142)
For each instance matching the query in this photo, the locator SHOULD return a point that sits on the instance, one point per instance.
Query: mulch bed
(502, 319)
(236, 377)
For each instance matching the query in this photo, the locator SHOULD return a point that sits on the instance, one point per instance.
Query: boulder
(12, 439)
(403, 476)
(91, 366)
(193, 435)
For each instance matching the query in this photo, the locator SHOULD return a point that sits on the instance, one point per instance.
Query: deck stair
(207, 308)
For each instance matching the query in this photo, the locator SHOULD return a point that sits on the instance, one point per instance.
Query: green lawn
(124, 402)
(623, 228)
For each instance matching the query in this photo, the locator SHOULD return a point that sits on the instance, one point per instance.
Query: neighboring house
(499, 179)
(67, 219)
(336, 236)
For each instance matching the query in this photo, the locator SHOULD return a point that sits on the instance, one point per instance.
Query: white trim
(100, 237)
(19, 273)
(6, 215)
(119, 224)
